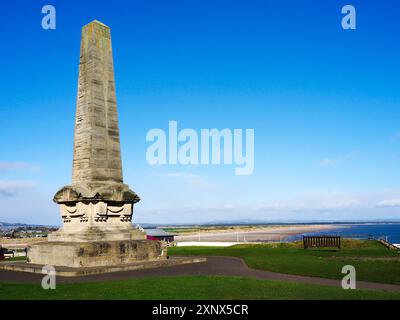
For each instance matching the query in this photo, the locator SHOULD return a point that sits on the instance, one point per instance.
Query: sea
(387, 231)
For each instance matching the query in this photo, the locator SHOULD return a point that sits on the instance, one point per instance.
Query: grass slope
(188, 287)
(292, 259)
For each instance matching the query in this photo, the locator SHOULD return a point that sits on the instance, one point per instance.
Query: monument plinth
(97, 207)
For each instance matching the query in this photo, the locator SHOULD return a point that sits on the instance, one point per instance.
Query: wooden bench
(321, 242)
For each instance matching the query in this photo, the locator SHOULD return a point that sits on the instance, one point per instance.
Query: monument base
(90, 271)
(96, 254)
(96, 234)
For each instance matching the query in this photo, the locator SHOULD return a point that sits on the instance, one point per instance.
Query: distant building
(9, 234)
(4, 252)
(159, 234)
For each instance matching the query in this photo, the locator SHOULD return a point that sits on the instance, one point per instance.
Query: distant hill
(244, 222)
(251, 222)
(7, 224)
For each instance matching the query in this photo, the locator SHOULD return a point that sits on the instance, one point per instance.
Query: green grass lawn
(292, 259)
(15, 259)
(285, 258)
(188, 287)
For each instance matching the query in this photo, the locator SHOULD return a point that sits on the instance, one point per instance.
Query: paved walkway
(224, 266)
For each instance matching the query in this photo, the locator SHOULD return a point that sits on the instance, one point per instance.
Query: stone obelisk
(97, 207)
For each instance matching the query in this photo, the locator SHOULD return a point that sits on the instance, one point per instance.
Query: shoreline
(270, 233)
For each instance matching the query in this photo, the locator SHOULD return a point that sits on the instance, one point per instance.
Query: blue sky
(324, 104)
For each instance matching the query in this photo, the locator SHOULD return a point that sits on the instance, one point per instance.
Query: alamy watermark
(49, 280)
(209, 146)
(349, 21)
(349, 280)
(49, 20)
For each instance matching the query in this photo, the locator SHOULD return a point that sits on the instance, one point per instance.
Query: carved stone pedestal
(95, 233)
(96, 220)
(95, 254)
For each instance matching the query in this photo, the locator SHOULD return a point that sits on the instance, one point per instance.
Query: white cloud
(17, 166)
(389, 203)
(303, 206)
(13, 188)
(327, 162)
(189, 178)
(331, 161)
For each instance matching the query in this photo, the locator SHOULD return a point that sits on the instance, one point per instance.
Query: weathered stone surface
(97, 207)
(63, 271)
(90, 234)
(90, 191)
(94, 254)
(97, 146)
(97, 199)
(97, 165)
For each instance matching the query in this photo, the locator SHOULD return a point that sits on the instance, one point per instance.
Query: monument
(97, 207)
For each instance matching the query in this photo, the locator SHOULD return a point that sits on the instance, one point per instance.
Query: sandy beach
(261, 234)
(222, 234)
